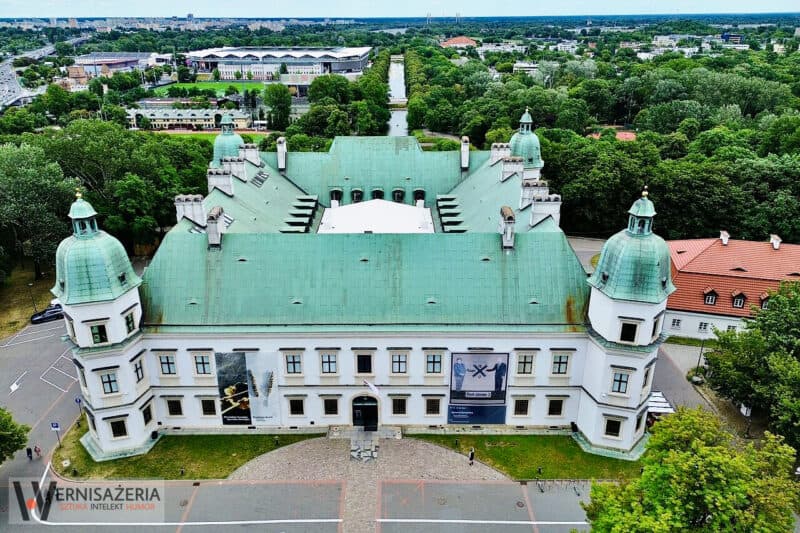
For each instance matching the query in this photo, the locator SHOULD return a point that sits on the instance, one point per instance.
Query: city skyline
(368, 9)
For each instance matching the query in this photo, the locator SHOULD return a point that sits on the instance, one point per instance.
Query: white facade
(699, 325)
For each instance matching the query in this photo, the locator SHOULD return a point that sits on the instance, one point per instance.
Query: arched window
(419, 194)
(398, 195)
(336, 195)
(377, 194)
(356, 195)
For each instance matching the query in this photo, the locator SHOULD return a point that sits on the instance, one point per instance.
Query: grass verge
(202, 456)
(15, 295)
(218, 86)
(211, 135)
(686, 341)
(520, 456)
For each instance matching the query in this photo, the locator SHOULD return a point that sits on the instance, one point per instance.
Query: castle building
(372, 285)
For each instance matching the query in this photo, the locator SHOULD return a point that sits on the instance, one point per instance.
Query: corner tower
(525, 144)
(227, 142)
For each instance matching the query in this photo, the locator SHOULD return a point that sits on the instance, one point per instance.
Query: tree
(237, 74)
(694, 479)
(13, 436)
(329, 86)
(279, 100)
(34, 201)
(215, 74)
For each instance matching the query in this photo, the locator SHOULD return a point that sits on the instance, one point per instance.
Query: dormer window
(738, 301)
(765, 303)
(377, 194)
(710, 296)
(123, 278)
(398, 195)
(356, 195)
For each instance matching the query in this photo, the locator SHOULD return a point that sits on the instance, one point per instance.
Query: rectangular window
(398, 406)
(525, 364)
(296, 407)
(731, 328)
(92, 423)
(613, 427)
(433, 406)
(656, 324)
(118, 429)
(560, 364)
(738, 302)
(765, 303)
(109, 381)
(202, 364)
(628, 332)
(639, 420)
(130, 325)
(209, 406)
(433, 363)
(175, 407)
(71, 327)
(167, 364)
(294, 364)
(703, 326)
(676, 323)
(364, 363)
(399, 363)
(521, 407)
(646, 377)
(99, 334)
(331, 406)
(82, 375)
(620, 383)
(147, 414)
(138, 370)
(711, 299)
(555, 406)
(328, 363)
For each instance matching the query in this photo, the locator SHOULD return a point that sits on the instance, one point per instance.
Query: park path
(329, 459)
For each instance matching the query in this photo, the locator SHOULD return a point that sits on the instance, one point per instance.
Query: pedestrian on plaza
(29, 453)
(38, 451)
(471, 456)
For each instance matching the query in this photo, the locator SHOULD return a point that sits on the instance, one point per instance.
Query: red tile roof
(748, 268)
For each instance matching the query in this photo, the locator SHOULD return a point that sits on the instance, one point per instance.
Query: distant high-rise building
(190, 16)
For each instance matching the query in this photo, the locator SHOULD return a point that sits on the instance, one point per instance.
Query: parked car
(51, 313)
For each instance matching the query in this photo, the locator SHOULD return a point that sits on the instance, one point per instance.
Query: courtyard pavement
(670, 375)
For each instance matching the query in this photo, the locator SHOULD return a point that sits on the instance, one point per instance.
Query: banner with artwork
(478, 384)
(247, 388)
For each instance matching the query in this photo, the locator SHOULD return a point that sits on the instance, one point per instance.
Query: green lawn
(519, 456)
(218, 86)
(16, 306)
(211, 135)
(202, 456)
(687, 341)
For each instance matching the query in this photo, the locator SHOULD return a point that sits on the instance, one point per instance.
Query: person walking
(38, 451)
(29, 453)
(471, 456)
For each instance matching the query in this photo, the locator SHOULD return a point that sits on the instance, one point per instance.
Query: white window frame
(676, 323)
(180, 403)
(553, 365)
(710, 299)
(527, 406)
(82, 377)
(130, 329)
(765, 303)
(364, 353)
(622, 324)
(563, 404)
(326, 399)
(626, 382)
(399, 360)
(296, 362)
(641, 421)
(738, 302)
(438, 406)
(526, 359)
(703, 326)
(138, 369)
(333, 359)
(111, 382)
(202, 408)
(434, 354)
(648, 375)
(104, 325)
(606, 420)
(147, 408)
(111, 428)
(302, 406)
(405, 405)
(731, 327)
(209, 364)
(171, 360)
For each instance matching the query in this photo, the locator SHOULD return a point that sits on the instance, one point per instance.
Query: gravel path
(329, 459)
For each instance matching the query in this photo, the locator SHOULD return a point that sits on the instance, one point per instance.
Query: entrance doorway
(365, 412)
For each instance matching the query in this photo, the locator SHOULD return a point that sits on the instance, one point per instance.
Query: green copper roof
(81, 209)
(526, 117)
(365, 279)
(368, 163)
(525, 144)
(228, 142)
(643, 207)
(92, 269)
(634, 267)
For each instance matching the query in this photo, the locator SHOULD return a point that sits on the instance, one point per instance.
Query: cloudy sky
(377, 8)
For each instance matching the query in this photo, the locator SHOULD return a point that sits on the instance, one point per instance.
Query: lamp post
(33, 301)
(700, 355)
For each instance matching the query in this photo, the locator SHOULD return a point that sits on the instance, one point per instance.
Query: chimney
(499, 151)
(724, 236)
(533, 190)
(215, 227)
(219, 178)
(464, 153)
(511, 166)
(235, 165)
(190, 206)
(507, 220)
(249, 152)
(548, 205)
(281, 153)
(775, 241)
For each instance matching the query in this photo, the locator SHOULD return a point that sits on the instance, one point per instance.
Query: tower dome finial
(645, 194)
(78, 194)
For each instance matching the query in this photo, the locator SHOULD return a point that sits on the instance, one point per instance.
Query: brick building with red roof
(719, 281)
(459, 42)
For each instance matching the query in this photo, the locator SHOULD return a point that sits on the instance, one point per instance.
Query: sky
(378, 8)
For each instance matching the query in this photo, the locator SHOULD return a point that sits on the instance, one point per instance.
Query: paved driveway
(670, 376)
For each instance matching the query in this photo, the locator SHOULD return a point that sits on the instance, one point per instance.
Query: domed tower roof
(525, 143)
(91, 265)
(635, 263)
(227, 143)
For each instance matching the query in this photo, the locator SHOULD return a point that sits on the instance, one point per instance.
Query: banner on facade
(247, 388)
(478, 378)
(476, 414)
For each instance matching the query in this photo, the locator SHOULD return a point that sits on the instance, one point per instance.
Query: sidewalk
(674, 362)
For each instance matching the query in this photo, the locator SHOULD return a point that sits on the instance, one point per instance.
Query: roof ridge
(697, 255)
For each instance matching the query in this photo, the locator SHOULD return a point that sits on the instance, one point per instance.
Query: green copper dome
(525, 143)
(227, 143)
(91, 265)
(635, 263)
